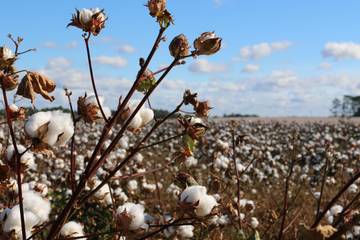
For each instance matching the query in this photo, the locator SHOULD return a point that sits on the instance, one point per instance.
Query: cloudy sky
(279, 57)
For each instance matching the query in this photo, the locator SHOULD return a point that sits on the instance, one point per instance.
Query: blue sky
(279, 57)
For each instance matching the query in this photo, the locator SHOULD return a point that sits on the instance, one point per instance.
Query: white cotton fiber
(136, 211)
(72, 229)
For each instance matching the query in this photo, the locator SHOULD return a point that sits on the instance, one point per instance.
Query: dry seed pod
(8, 82)
(33, 83)
(207, 44)
(179, 46)
(156, 7)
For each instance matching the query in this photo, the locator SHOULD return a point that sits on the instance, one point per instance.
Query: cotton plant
(79, 173)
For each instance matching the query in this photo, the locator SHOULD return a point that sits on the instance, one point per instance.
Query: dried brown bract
(207, 44)
(8, 82)
(33, 83)
(179, 46)
(89, 112)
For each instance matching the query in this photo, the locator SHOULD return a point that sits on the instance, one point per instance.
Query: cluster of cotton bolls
(262, 161)
(36, 212)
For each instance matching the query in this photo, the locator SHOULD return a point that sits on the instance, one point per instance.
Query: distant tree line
(233, 115)
(348, 106)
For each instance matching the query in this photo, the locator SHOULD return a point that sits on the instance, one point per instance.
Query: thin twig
(18, 163)
(237, 175)
(86, 38)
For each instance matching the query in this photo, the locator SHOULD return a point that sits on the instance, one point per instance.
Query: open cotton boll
(136, 213)
(27, 158)
(197, 195)
(254, 222)
(72, 229)
(192, 194)
(53, 128)
(36, 204)
(185, 231)
(146, 115)
(60, 129)
(13, 221)
(206, 204)
(136, 122)
(35, 121)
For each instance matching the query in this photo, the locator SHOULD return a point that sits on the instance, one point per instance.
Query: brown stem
(322, 186)
(92, 76)
(237, 176)
(341, 214)
(72, 156)
(335, 198)
(68, 208)
(18, 163)
(286, 194)
(162, 141)
(133, 152)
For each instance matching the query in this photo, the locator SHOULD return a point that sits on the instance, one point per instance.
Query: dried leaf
(36, 83)
(318, 233)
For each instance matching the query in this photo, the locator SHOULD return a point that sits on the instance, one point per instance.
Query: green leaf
(255, 236)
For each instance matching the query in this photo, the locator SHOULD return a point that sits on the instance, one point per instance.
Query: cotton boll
(146, 115)
(36, 204)
(335, 210)
(191, 161)
(254, 222)
(56, 127)
(13, 221)
(35, 121)
(72, 229)
(196, 195)
(27, 158)
(60, 129)
(136, 122)
(185, 231)
(192, 194)
(136, 213)
(206, 204)
(132, 185)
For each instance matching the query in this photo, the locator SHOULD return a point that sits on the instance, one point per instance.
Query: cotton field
(199, 192)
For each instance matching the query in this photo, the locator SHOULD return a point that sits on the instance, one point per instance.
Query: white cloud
(114, 61)
(72, 44)
(126, 48)
(218, 2)
(325, 66)
(261, 50)
(341, 50)
(204, 66)
(50, 44)
(251, 68)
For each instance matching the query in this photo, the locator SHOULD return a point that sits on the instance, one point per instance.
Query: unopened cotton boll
(72, 229)
(136, 214)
